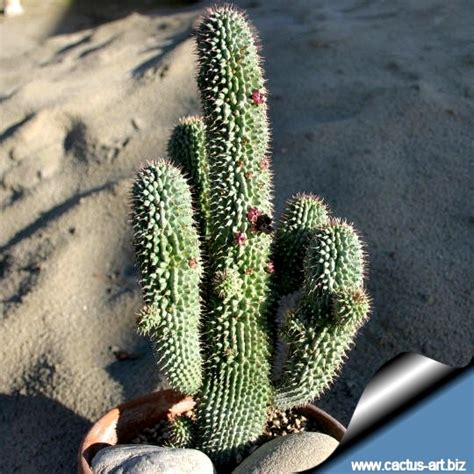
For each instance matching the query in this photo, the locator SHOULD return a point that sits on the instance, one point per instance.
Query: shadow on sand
(38, 434)
(136, 372)
(83, 14)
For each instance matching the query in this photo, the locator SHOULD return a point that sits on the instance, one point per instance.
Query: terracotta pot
(124, 422)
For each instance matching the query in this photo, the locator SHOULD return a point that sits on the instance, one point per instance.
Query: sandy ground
(372, 107)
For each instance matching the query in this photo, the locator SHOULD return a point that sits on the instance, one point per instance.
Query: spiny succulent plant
(187, 147)
(332, 308)
(236, 390)
(167, 251)
(181, 433)
(215, 331)
(304, 213)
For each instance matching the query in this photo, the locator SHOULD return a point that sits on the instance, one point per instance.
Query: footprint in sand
(85, 148)
(34, 151)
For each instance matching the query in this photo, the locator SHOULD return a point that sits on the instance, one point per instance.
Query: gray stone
(142, 459)
(289, 454)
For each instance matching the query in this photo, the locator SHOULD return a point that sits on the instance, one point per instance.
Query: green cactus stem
(237, 126)
(333, 307)
(334, 260)
(237, 389)
(304, 213)
(182, 433)
(187, 147)
(167, 251)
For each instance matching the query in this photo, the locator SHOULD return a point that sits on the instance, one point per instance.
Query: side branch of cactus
(332, 309)
(304, 213)
(167, 252)
(187, 148)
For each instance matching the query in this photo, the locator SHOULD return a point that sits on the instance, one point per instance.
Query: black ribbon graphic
(398, 385)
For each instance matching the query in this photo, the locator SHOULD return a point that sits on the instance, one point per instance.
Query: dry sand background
(372, 107)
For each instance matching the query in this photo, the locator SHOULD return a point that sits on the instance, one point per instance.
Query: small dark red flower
(253, 214)
(240, 238)
(270, 268)
(264, 164)
(257, 97)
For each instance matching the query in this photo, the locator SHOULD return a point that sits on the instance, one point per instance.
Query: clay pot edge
(129, 418)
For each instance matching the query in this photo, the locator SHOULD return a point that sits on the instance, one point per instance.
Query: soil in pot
(141, 420)
(280, 423)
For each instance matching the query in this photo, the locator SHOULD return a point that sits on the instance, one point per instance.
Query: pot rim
(134, 415)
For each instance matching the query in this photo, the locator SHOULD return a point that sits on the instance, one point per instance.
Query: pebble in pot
(289, 454)
(141, 459)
